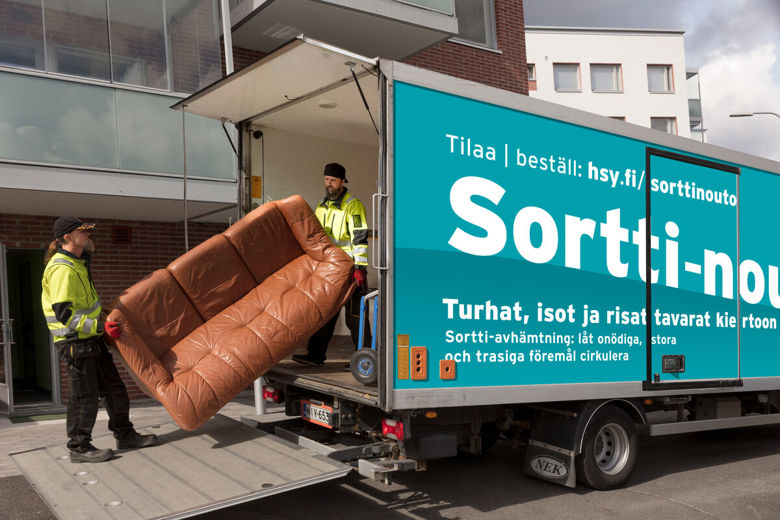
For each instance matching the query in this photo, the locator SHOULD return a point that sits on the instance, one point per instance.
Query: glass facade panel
(54, 121)
(566, 76)
(21, 34)
(193, 30)
(137, 31)
(443, 6)
(208, 151)
(77, 38)
(606, 77)
(149, 133)
(476, 22)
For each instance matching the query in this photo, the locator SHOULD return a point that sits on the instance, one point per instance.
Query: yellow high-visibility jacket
(70, 302)
(344, 221)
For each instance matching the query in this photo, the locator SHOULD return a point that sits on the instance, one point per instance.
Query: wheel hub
(611, 448)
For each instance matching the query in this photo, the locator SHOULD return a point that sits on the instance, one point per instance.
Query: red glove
(112, 329)
(359, 277)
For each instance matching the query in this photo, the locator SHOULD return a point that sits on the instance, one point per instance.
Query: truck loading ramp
(223, 463)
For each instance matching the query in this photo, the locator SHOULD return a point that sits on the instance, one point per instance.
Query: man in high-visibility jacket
(72, 309)
(343, 217)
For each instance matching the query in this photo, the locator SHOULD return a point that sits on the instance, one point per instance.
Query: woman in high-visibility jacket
(343, 217)
(72, 309)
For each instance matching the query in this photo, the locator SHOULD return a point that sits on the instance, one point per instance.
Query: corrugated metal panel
(221, 464)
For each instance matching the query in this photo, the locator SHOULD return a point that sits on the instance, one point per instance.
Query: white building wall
(633, 50)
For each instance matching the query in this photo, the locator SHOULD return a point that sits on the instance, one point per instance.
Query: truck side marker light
(403, 362)
(447, 369)
(419, 363)
(393, 429)
(431, 414)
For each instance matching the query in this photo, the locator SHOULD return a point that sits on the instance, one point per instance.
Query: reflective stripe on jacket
(344, 221)
(70, 302)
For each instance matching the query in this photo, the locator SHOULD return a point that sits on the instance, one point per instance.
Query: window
(659, 78)
(606, 78)
(566, 77)
(138, 43)
(77, 37)
(180, 53)
(619, 118)
(21, 34)
(194, 34)
(476, 22)
(531, 72)
(664, 124)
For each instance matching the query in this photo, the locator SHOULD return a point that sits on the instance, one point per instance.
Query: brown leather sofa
(197, 333)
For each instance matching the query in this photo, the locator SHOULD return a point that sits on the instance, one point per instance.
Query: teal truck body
(541, 273)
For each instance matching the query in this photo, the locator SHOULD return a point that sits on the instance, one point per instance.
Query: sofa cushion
(263, 240)
(212, 275)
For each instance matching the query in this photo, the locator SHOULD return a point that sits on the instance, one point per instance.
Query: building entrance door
(6, 340)
(31, 353)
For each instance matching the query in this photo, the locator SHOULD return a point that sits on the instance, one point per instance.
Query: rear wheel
(609, 449)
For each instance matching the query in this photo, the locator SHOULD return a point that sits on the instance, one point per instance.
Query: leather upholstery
(197, 333)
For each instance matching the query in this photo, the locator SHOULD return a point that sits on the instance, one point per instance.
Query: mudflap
(556, 435)
(551, 446)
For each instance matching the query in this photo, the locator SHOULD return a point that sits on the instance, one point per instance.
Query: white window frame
(490, 28)
(617, 77)
(669, 78)
(531, 71)
(579, 78)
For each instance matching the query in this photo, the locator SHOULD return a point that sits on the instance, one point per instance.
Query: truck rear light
(393, 429)
(272, 394)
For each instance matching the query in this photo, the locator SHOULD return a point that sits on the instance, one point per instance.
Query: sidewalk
(143, 413)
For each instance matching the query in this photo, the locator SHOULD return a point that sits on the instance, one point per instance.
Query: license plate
(317, 413)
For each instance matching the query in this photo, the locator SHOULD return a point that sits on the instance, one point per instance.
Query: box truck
(541, 273)
(538, 268)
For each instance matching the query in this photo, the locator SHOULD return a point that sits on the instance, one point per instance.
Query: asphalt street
(712, 475)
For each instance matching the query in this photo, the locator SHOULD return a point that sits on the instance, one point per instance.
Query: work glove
(359, 277)
(112, 329)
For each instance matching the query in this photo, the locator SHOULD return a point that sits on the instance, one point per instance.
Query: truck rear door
(223, 463)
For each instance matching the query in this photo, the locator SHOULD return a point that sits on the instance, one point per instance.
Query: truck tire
(609, 449)
(363, 366)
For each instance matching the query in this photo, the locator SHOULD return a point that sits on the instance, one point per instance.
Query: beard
(333, 193)
(90, 246)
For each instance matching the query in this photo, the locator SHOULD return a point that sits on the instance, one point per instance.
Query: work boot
(136, 440)
(91, 454)
(307, 359)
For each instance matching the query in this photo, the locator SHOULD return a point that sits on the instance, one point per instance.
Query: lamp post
(751, 114)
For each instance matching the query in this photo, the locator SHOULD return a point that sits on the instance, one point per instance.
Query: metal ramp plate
(223, 463)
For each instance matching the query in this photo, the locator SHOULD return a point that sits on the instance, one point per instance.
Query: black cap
(334, 169)
(65, 225)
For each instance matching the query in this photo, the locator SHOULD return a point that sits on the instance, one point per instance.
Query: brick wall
(506, 70)
(115, 266)
(241, 57)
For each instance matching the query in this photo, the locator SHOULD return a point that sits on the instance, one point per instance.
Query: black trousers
(318, 343)
(89, 379)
